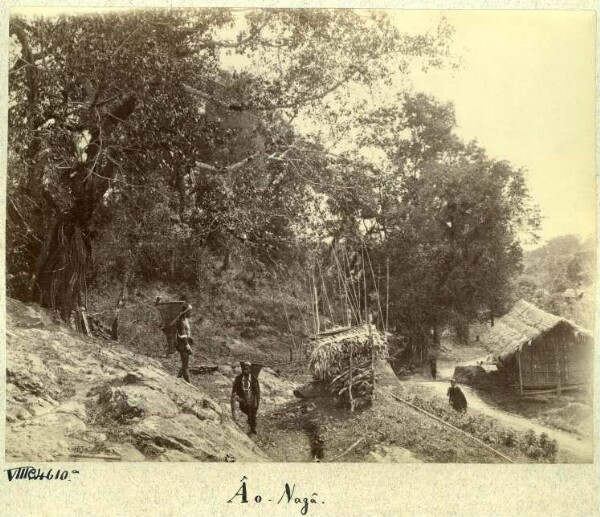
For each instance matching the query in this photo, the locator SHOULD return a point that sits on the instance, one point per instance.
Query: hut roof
(524, 323)
(342, 334)
(334, 346)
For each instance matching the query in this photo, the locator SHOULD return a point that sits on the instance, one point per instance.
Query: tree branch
(18, 29)
(228, 168)
(289, 105)
(210, 43)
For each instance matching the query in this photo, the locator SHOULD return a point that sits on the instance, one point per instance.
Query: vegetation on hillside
(560, 278)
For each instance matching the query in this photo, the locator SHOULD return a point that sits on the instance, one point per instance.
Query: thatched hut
(540, 351)
(344, 359)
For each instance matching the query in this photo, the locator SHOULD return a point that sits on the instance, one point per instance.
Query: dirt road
(571, 449)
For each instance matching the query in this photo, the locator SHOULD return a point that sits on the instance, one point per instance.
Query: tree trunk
(60, 277)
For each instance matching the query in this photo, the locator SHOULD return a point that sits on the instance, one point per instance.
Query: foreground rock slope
(70, 397)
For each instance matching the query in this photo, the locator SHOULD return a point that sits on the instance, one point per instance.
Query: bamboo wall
(557, 358)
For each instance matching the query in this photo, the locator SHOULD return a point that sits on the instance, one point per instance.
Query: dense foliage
(155, 145)
(559, 277)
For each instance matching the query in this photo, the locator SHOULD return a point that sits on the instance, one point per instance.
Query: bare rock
(26, 316)
(70, 394)
(126, 451)
(127, 402)
(390, 454)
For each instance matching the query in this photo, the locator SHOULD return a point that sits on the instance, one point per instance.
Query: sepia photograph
(278, 235)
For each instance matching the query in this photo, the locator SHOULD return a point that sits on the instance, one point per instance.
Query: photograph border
(348, 489)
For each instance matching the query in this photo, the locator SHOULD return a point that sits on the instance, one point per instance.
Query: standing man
(432, 363)
(246, 393)
(184, 338)
(184, 334)
(456, 397)
(177, 331)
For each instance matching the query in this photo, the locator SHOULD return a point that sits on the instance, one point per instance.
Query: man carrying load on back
(184, 335)
(177, 332)
(246, 393)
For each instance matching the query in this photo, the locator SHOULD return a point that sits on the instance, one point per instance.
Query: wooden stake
(96, 456)
(347, 450)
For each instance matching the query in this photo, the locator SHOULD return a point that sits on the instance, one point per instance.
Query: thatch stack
(343, 361)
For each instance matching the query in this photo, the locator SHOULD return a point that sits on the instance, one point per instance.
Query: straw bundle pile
(343, 360)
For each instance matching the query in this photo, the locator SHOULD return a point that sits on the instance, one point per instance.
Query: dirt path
(571, 449)
(283, 438)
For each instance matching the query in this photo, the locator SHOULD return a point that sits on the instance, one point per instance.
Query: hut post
(558, 368)
(520, 373)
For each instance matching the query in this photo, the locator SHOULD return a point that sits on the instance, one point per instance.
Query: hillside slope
(71, 397)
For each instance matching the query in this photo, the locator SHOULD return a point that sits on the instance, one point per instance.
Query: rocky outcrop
(71, 397)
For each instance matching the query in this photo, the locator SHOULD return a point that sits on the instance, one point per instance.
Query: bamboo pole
(324, 294)
(455, 428)
(387, 291)
(348, 305)
(376, 286)
(355, 295)
(351, 381)
(316, 305)
(367, 313)
(553, 390)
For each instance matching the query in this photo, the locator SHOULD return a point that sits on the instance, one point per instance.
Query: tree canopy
(153, 142)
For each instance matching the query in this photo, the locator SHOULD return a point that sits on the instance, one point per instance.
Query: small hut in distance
(540, 351)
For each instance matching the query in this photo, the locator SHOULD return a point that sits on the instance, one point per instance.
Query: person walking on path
(432, 359)
(246, 394)
(178, 334)
(456, 397)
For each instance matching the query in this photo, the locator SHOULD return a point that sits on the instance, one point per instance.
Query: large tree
(449, 219)
(136, 110)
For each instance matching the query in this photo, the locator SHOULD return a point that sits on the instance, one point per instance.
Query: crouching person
(456, 397)
(246, 394)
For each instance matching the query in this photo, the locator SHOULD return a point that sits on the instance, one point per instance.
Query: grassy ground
(572, 412)
(247, 328)
(284, 436)
(388, 424)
